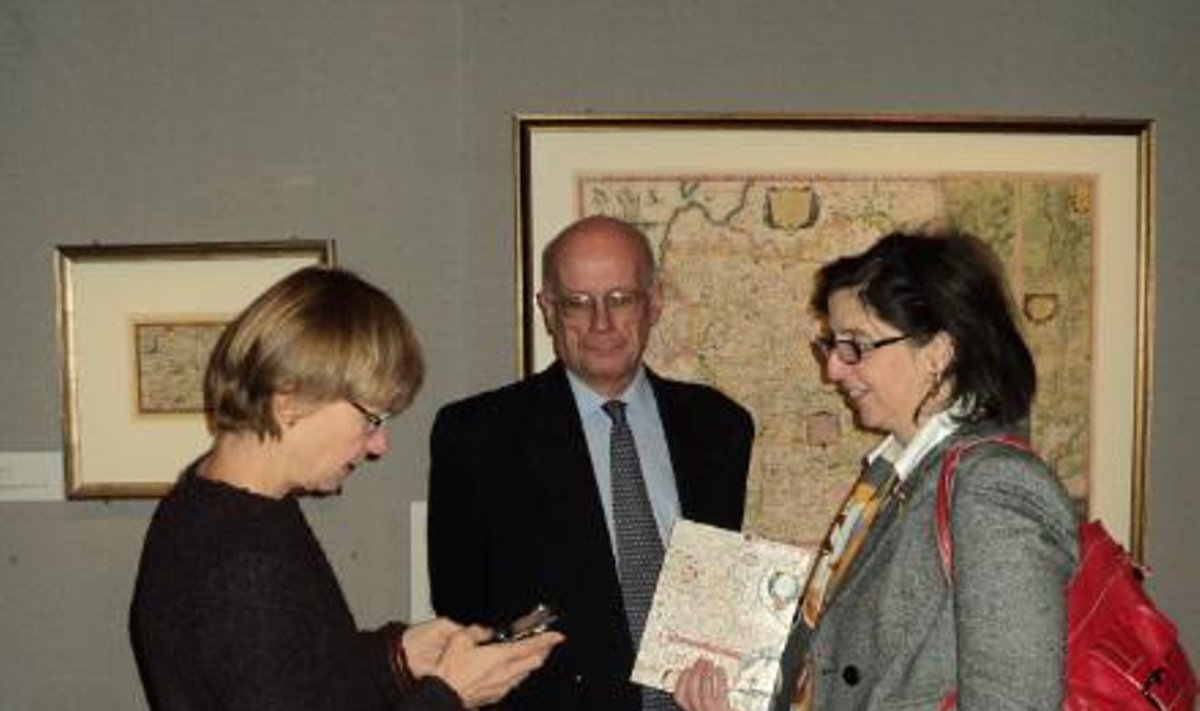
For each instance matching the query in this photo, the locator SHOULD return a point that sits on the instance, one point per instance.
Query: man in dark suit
(520, 505)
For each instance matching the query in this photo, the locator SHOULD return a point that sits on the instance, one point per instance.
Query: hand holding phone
(482, 672)
(538, 620)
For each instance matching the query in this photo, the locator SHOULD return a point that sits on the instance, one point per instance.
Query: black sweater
(236, 608)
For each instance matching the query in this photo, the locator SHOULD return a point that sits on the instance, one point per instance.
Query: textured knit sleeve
(406, 692)
(268, 650)
(254, 645)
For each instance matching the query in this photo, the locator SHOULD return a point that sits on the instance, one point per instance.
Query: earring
(932, 394)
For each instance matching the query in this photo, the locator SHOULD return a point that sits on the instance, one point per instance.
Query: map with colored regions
(728, 597)
(737, 254)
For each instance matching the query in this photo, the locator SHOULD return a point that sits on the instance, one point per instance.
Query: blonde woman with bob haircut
(235, 605)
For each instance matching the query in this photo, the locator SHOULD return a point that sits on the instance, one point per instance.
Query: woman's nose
(379, 442)
(835, 369)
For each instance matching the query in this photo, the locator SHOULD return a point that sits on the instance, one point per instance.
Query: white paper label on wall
(31, 476)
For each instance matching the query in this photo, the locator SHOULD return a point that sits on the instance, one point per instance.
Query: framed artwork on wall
(136, 323)
(741, 210)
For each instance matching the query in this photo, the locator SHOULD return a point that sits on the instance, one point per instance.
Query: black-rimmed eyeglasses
(850, 351)
(375, 420)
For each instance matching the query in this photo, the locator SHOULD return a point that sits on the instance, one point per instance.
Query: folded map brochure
(729, 597)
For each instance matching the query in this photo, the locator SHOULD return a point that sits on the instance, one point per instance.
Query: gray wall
(386, 124)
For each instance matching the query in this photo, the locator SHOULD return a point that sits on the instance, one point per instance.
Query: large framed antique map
(741, 211)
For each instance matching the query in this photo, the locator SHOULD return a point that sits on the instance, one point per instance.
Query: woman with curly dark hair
(919, 338)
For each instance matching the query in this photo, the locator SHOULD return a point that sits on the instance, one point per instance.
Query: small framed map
(742, 210)
(172, 353)
(136, 325)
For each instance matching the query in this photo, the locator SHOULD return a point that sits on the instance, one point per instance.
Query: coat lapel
(556, 450)
(685, 451)
(875, 538)
(577, 545)
(913, 489)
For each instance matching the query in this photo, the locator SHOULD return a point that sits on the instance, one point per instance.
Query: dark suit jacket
(515, 519)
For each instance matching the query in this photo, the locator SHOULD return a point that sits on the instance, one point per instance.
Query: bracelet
(398, 659)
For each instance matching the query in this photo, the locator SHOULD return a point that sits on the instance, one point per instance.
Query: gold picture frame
(824, 185)
(135, 325)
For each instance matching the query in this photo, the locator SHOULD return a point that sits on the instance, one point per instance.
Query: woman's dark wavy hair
(949, 281)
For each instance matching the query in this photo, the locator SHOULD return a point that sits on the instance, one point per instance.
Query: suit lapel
(875, 537)
(560, 465)
(911, 489)
(556, 450)
(685, 452)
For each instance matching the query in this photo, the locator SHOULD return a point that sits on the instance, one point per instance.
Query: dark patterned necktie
(639, 547)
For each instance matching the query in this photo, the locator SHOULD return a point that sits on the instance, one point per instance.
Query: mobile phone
(538, 620)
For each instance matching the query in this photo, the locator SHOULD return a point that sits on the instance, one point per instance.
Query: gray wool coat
(896, 635)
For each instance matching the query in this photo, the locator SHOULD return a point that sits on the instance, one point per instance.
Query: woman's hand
(703, 687)
(424, 644)
(485, 673)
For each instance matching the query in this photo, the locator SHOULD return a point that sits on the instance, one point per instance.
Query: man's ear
(655, 301)
(544, 305)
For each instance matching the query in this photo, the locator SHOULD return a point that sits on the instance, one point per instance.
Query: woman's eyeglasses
(375, 421)
(851, 351)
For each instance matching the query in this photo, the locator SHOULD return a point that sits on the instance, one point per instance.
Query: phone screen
(538, 620)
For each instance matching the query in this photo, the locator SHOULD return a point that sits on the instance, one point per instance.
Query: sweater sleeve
(254, 644)
(296, 657)
(429, 693)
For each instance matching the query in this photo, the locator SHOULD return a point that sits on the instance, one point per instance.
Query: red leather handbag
(1122, 652)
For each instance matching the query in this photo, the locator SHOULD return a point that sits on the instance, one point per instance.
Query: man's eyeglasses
(850, 351)
(580, 307)
(375, 421)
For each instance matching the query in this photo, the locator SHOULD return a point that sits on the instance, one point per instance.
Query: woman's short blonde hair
(321, 334)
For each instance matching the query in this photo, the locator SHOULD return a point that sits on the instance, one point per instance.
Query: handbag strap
(942, 515)
(945, 490)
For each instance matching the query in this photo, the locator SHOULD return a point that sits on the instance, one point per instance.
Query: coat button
(850, 675)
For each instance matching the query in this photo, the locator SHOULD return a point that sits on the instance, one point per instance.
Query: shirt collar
(638, 395)
(904, 459)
